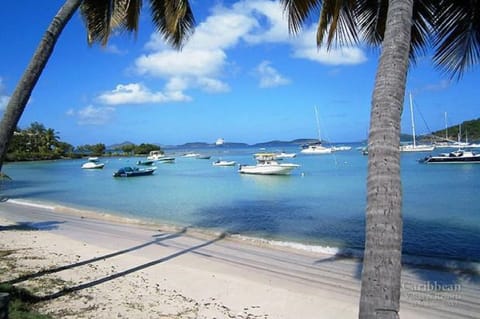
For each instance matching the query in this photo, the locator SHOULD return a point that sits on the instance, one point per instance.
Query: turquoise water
(321, 204)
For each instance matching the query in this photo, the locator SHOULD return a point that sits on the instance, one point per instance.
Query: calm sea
(321, 206)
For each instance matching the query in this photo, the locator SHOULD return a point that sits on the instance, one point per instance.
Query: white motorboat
(93, 163)
(191, 154)
(267, 165)
(220, 141)
(341, 148)
(155, 155)
(224, 163)
(415, 147)
(283, 155)
(456, 157)
(315, 148)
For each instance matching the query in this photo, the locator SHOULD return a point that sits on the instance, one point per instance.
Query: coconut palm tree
(402, 28)
(172, 18)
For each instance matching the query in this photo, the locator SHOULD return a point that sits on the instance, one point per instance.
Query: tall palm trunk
(24, 88)
(381, 274)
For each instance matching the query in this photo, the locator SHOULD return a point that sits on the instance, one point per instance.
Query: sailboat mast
(446, 127)
(318, 125)
(413, 122)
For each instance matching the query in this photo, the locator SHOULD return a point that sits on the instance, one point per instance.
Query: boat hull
(281, 169)
(437, 160)
(313, 151)
(93, 165)
(133, 172)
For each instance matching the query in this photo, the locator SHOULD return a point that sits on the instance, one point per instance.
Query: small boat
(191, 154)
(203, 156)
(283, 155)
(341, 148)
(166, 160)
(219, 142)
(93, 163)
(155, 155)
(267, 165)
(133, 171)
(224, 163)
(316, 148)
(146, 163)
(456, 157)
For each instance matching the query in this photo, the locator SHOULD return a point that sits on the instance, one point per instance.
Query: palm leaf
(372, 18)
(457, 40)
(173, 19)
(96, 15)
(298, 11)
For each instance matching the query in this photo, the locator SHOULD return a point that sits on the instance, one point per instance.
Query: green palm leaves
(172, 18)
(451, 27)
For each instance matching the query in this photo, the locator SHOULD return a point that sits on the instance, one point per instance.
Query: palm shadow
(44, 225)
(69, 290)
(157, 239)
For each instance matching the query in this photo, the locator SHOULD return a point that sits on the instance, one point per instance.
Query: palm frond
(372, 18)
(298, 11)
(96, 15)
(457, 36)
(103, 16)
(173, 19)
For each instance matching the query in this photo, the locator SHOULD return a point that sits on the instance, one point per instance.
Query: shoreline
(428, 262)
(181, 273)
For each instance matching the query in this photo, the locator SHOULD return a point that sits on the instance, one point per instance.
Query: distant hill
(470, 129)
(119, 145)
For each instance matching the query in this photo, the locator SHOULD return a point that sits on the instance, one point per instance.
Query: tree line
(37, 142)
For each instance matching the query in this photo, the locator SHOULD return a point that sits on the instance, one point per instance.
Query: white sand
(142, 271)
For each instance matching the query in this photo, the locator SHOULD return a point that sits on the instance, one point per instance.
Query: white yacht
(267, 165)
(220, 141)
(341, 148)
(224, 163)
(283, 155)
(415, 147)
(316, 148)
(155, 155)
(93, 163)
(456, 157)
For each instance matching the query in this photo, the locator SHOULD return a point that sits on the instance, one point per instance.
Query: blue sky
(241, 77)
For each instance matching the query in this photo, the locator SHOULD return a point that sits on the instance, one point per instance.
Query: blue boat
(133, 172)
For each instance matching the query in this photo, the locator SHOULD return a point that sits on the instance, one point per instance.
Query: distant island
(469, 130)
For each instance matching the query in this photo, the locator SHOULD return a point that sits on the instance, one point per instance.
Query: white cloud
(91, 115)
(135, 93)
(3, 102)
(270, 77)
(305, 48)
(203, 60)
(3, 98)
(113, 49)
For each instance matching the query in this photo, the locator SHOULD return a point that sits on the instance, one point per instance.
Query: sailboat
(316, 147)
(415, 147)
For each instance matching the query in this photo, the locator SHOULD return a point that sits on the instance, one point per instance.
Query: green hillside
(470, 129)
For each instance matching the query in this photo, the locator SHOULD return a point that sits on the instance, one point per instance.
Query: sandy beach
(90, 265)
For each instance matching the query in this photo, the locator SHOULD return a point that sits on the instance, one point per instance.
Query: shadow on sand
(28, 297)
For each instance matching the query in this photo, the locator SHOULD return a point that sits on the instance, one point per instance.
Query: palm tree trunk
(24, 88)
(381, 274)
